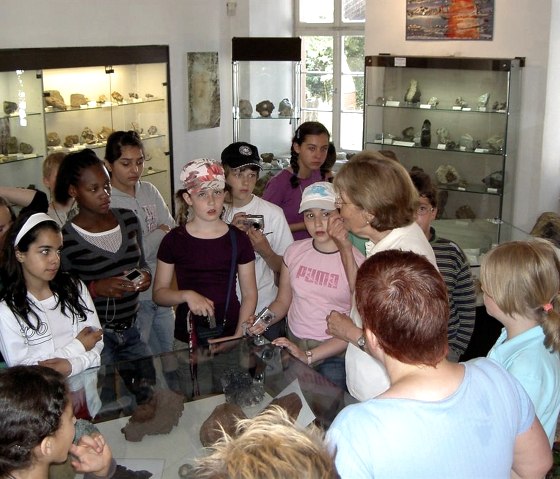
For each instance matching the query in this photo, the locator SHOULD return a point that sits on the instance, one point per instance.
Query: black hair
(306, 128)
(32, 402)
(118, 139)
(6, 203)
(70, 170)
(14, 292)
(330, 160)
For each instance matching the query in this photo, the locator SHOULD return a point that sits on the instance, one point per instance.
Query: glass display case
(266, 93)
(455, 118)
(66, 99)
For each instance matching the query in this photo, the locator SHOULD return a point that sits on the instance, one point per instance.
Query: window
(332, 73)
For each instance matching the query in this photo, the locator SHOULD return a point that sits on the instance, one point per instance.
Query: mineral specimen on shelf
(483, 100)
(149, 95)
(494, 180)
(240, 389)
(77, 100)
(12, 145)
(443, 135)
(104, 133)
(88, 136)
(460, 102)
(101, 99)
(499, 105)
(10, 107)
(54, 98)
(158, 416)
(450, 145)
(25, 148)
(265, 108)
(152, 130)
(223, 416)
(245, 109)
(71, 140)
(465, 212)
(495, 144)
(426, 134)
(133, 95)
(267, 157)
(380, 101)
(408, 133)
(433, 101)
(547, 226)
(412, 94)
(285, 108)
(467, 142)
(53, 139)
(447, 175)
(117, 97)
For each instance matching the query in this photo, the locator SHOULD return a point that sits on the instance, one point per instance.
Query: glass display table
(191, 384)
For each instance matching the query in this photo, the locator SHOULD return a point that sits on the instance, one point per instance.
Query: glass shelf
(18, 157)
(440, 108)
(50, 110)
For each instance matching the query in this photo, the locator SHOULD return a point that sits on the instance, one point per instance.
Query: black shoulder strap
(232, 268)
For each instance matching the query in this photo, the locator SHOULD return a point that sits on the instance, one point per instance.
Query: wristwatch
(362, 342)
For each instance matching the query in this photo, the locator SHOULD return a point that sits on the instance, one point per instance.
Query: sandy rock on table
(225, 415)
(291, 403)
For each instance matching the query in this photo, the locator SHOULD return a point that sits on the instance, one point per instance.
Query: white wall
(521, 29)
(184, 25)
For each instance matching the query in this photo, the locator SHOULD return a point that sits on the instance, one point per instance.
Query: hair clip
(547, 307)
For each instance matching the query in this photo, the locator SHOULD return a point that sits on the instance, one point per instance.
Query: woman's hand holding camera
(198, 304)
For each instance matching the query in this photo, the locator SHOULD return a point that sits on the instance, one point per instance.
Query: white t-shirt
(366, 377)
(280, 238)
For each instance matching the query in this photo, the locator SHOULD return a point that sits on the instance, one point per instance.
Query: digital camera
(135, 276)
(256, 221)
(265, 316)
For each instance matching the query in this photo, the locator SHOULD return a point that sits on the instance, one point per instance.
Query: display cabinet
(265, 93)
(67, 99)
(456, 118)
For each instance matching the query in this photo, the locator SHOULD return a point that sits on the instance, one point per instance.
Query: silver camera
(255, 221)
(265, 316)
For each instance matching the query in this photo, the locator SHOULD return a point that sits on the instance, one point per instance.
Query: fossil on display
(54, 99)
(10, 107)
(12, 145)
(467, 142)
(496, 144)
(104, 133)
(223, 416)
(152, 130)
(460, 102)
(25, 148)
(77, 100)
(101, 99)
(426, 134)
(53, 139)
(408, 133)
(117, 97)
(285, 108)
(499, 105)
(267, 157)
(133, 96)
(265, 108)
(413, 93)
(547, 226)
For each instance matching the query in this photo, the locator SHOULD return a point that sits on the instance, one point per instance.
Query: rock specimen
(483, 100)
(223, 416)
(101, 99)
(447, 175)
(267, 157)
(547, 226)
(12, 145)
(71, 140)
(465, 212)
(104, 133)
(77, 100)
(467, 142)
(245, 109)
(88, 136)
(265, 108)
(152, 130)
(53, 139)
(408, 133)
(494, 180)
(413, 93)
(426, 134)
(460, 102)
(117, 97)
(25, 148)
(54, 99)
(10, 107)
(158, 416)
(495, 143)
(291, 403)
(285, 108)
(133, 96)
(443, 135)
(433, 101)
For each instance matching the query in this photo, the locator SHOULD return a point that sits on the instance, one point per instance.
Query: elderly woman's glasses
(339, 203)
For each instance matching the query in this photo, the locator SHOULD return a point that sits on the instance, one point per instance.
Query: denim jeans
(156, 325)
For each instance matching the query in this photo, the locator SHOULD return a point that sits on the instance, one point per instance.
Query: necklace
(60, 220)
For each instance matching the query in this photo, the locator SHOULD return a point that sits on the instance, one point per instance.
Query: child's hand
(337, 231)
(240, 221)
(257, 329)
(294, 350)
(260, 242)
(89, 337)
(92, 454)
(61, 365)
(114, 287)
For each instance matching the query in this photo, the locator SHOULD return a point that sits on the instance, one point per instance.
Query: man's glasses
(423, 209)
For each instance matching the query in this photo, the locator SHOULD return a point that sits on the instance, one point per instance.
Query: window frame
(337, 30)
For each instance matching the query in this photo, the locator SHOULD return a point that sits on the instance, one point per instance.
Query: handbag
(201, 331)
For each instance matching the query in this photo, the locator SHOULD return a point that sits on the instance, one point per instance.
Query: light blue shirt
(470, 434)
(537, 369)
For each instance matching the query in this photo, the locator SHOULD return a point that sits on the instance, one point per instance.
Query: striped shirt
(91, 263)
(456, 272)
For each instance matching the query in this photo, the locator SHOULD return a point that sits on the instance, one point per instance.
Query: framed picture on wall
(203, 86)
(449, 19)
